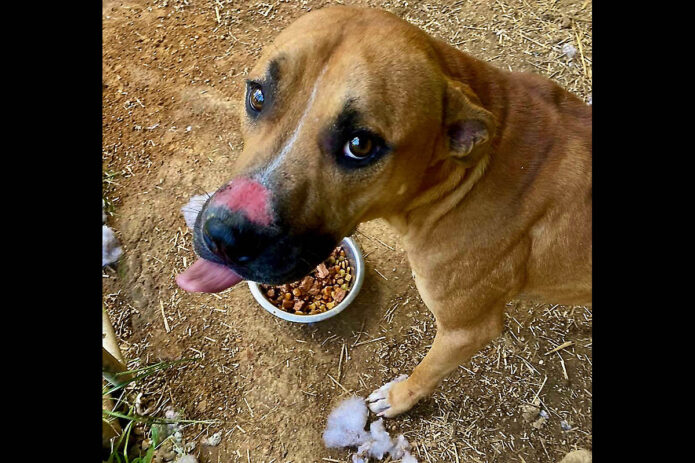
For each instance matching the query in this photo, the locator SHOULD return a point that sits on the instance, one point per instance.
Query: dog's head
(342, 117)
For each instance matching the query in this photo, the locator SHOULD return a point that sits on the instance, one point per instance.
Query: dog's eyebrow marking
(265, 174)
(274, 70)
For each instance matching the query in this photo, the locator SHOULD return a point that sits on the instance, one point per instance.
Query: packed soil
(173, 77)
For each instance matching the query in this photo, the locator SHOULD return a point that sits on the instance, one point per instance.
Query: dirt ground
(173, 75)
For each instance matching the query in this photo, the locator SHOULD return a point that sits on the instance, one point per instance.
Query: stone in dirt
(213, 440)
(577, 456)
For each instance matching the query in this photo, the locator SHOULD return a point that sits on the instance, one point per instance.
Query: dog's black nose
(231, 241)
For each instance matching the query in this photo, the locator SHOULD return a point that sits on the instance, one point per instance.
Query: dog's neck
(447, 182)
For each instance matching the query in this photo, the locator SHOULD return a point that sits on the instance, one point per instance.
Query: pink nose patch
(246, 196)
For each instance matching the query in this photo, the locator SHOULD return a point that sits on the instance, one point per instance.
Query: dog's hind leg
(451, 348)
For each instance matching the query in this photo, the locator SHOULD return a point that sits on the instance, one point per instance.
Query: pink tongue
(207, 277)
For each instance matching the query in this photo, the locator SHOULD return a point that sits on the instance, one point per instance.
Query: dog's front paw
(391, 399)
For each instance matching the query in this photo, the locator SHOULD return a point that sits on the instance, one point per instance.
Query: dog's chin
(287, 263)
(288, 259)
(276, 276)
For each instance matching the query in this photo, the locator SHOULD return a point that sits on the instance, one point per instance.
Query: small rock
(569, 50)
(577, 456)
(186, 459)
(544, 414)
(213, 440)
(529, 412)
(565, 425)
(538, 424)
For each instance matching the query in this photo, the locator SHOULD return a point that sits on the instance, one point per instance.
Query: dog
(354, 114)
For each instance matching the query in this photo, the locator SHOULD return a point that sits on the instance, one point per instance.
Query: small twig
(539, 390)
(166, 323)
(336, 382)
(249, 406)
(340, 362)
(367, 342)
(560, 347)
(359, 335)
(564, 370)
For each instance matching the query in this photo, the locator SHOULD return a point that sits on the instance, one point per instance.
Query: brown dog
(354, 114)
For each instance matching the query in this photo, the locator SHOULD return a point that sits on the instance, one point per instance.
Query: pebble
(186, 459)
(538, 424)
(213, 440)
(578, 456)
(565, 425)
(529, 412)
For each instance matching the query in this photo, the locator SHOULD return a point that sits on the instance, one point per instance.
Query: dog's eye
(359, 146)
(256, 98)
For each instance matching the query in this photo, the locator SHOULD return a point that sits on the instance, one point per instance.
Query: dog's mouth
(205, 276)
(231, 247)
(288, 260)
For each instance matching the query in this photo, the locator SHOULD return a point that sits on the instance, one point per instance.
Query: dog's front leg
(452, 346)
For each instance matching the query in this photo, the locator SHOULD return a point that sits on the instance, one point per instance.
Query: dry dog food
(318, 292)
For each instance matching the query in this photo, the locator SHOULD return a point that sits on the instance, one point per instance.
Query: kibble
(321, 290)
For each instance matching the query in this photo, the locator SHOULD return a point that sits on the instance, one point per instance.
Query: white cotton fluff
(345, 428)
(193, 207)
(110, 248)
(569, 50)
(400, 447)
(379, 442)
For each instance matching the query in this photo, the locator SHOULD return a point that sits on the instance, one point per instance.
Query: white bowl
(354, 256)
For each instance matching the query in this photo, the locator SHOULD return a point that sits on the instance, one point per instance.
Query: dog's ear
(469, 127)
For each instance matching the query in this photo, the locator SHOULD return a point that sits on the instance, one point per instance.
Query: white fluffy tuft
(345, 428)
(193, 207)
(346, 423)
(110, 248)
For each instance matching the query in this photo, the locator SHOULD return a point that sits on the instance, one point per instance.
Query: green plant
(123, 410)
